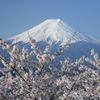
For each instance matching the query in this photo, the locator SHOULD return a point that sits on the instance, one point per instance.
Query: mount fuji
(55, 32)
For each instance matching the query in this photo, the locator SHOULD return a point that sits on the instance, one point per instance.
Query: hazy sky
(17, 16)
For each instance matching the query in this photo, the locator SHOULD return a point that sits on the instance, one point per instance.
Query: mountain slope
(56, 32)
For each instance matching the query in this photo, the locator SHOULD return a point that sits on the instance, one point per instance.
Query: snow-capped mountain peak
(56, 32)
(52, 30)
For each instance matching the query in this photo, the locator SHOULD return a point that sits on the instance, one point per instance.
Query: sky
(17, 16)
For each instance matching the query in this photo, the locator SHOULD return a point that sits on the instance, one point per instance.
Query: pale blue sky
(17, 16)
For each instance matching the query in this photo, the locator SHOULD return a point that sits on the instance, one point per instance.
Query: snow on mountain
(54, 30)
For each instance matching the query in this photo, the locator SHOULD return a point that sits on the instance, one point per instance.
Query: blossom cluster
(73, 81)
